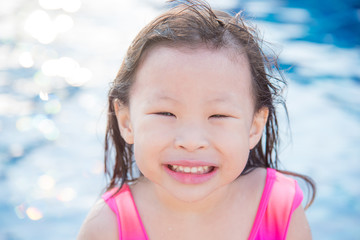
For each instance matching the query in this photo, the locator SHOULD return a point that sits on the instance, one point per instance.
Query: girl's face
(191, 119)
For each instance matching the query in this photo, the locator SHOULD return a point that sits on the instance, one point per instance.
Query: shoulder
(299, 227)
(288, 188)
(101, 223)
(286, 198)
(252, 184)
(261, 178)
(285, 188)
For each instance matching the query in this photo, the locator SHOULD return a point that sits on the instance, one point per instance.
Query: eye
(218, 116)
(166, 114)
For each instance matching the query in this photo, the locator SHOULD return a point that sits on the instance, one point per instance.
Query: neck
(216, 201)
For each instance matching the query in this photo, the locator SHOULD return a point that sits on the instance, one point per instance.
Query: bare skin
(200, 109)
(100, 223)
(226, 221)
(226, 217)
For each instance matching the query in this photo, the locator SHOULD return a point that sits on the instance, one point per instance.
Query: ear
(257, 126)
(123, 118)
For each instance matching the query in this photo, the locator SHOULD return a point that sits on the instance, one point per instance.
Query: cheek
(235, 161)
(235, 145)
(150, 138)
(150, 132)
(235, 136)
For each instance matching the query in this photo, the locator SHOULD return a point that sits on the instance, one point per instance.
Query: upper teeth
(199, 169)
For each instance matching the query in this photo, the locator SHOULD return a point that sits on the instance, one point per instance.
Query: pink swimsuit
(281, 196)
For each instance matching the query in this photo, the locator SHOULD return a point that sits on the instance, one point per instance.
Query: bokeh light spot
(20, 211)
(50, 4)
(63, 23)
(16, 150)
(98, 168)
(67, 66)
(67, 5)
(48, 128)
(40, 27)
(79, 77)
(42, 81)
(26, 60)
(46, 182)
(44, 96)
(66, 195)
(49, 67)
(34, 213)
(62, 67)
(71, 5)
(53, 106)
(24, 124)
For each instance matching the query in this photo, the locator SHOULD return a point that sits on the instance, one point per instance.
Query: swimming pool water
(55, 69)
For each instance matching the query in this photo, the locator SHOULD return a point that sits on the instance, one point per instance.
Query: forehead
(218, 73)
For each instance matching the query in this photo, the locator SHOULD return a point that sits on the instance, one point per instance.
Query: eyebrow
(164, 97)
(223, 99)
(220, 99)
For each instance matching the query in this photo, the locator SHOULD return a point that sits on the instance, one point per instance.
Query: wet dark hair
(194, 24)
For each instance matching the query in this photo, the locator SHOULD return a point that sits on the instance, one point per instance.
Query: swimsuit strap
(286, 196)
(269, 182)
(281, 196)
(129, 222)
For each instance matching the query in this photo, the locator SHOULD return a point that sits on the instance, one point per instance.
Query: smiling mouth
(191, 170)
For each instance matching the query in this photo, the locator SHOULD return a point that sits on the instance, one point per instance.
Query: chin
(191, 196)
(193, 193)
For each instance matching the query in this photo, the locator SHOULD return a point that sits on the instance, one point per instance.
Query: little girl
(193, 107)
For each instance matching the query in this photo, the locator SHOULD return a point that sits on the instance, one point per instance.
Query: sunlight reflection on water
(56, 61)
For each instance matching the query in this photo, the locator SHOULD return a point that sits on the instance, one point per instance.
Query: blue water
(52, 119)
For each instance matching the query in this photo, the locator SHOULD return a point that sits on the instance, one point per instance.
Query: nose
(191, 137)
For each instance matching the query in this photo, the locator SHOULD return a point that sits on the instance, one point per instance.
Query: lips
(191, 172)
